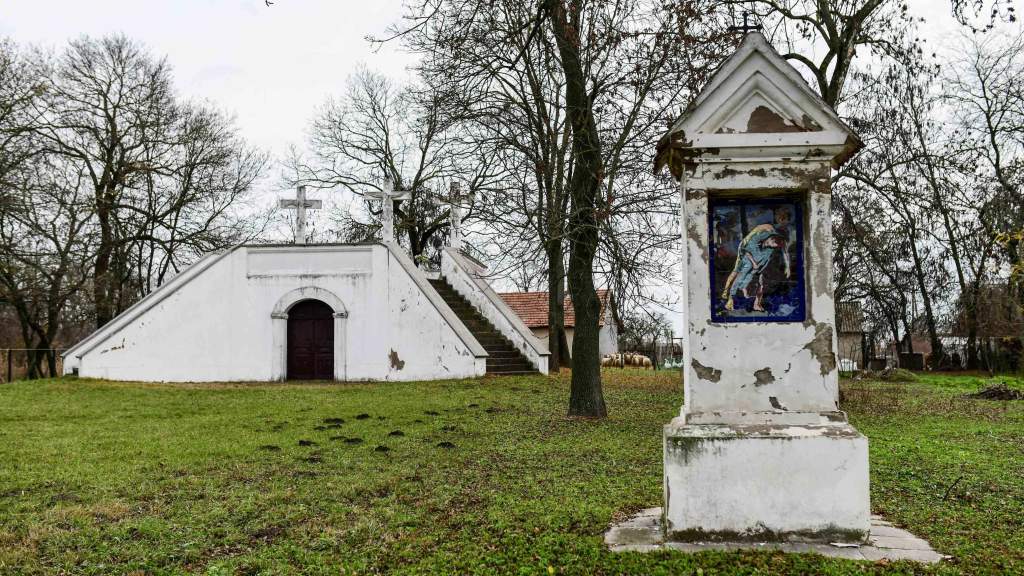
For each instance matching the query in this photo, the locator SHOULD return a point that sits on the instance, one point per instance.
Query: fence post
(9, 365)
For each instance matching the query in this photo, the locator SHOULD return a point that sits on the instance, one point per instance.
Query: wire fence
(30, 363)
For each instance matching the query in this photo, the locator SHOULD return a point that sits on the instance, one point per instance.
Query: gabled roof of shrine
(756, 107)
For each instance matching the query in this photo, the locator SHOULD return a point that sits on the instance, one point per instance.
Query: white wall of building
(216, 322)
(608, 337)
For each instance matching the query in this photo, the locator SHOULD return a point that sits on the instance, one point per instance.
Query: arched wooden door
(310, 341)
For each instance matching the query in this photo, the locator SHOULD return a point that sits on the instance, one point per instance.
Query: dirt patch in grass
(914, 400)
(888, 375)
(267, 534)
(997, 392)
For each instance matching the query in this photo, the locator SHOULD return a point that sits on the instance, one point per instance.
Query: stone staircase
(503, 357)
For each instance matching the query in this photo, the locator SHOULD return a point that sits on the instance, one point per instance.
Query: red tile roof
(532, 307)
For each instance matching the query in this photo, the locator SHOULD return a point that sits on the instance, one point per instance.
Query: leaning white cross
(454, 214)
(388, 195)
(300, 204)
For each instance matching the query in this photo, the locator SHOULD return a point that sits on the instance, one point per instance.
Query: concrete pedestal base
(642, 533)
(758, 482)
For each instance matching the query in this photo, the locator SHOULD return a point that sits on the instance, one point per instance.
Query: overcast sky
(270, 66)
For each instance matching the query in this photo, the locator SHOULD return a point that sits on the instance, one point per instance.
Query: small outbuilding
(852, 345)
(533, 307)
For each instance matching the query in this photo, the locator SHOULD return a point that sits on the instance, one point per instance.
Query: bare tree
(934, 191)
(503, 85)
(377, 130)
(585, 85)
(45, 242)
(163, 174)
(983, 85)
(641, 331)
(39, 235)
(21, 82)
(581, 30)
(838, 28)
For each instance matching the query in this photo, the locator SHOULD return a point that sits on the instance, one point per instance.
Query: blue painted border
(800, 313)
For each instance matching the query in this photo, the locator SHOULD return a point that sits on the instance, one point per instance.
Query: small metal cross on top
(300, 204)
(746, 28)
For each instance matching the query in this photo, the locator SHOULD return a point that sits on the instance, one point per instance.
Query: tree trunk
(586, 397)
(557, 345)
(101, 289)
(51, 363)
(929, 315)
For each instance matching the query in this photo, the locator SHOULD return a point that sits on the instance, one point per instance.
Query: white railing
(464, 276)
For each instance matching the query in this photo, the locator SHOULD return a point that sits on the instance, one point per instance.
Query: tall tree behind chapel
(571, 96)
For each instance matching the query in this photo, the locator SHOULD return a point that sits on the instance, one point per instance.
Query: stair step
(499, 347)
(507, 360)
(512, 372)
(510, 368)
(509, 363)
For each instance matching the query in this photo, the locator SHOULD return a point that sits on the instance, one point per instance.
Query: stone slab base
(643, 533)
(762, 483)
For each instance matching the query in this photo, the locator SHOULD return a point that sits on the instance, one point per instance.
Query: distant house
(532, 307)
(850, 324)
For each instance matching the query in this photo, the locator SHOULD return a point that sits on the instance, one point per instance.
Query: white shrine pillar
(760, 449)
(455, 217)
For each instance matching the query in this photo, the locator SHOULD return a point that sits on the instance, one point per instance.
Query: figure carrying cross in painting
(756, 251)
(755, 244)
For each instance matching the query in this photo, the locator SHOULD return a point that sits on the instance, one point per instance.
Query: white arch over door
(279, 319)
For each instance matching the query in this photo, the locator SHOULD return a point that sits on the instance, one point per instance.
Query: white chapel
(345, 312)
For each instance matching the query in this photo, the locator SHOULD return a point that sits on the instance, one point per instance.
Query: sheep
(635, 360)
(627, 359)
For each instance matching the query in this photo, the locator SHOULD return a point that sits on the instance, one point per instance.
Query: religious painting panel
(756, 264)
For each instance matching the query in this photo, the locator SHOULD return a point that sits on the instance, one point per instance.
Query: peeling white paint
(801, 482)
(760, 446)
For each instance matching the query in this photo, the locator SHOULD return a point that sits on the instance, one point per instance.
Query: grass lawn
(451, 477)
